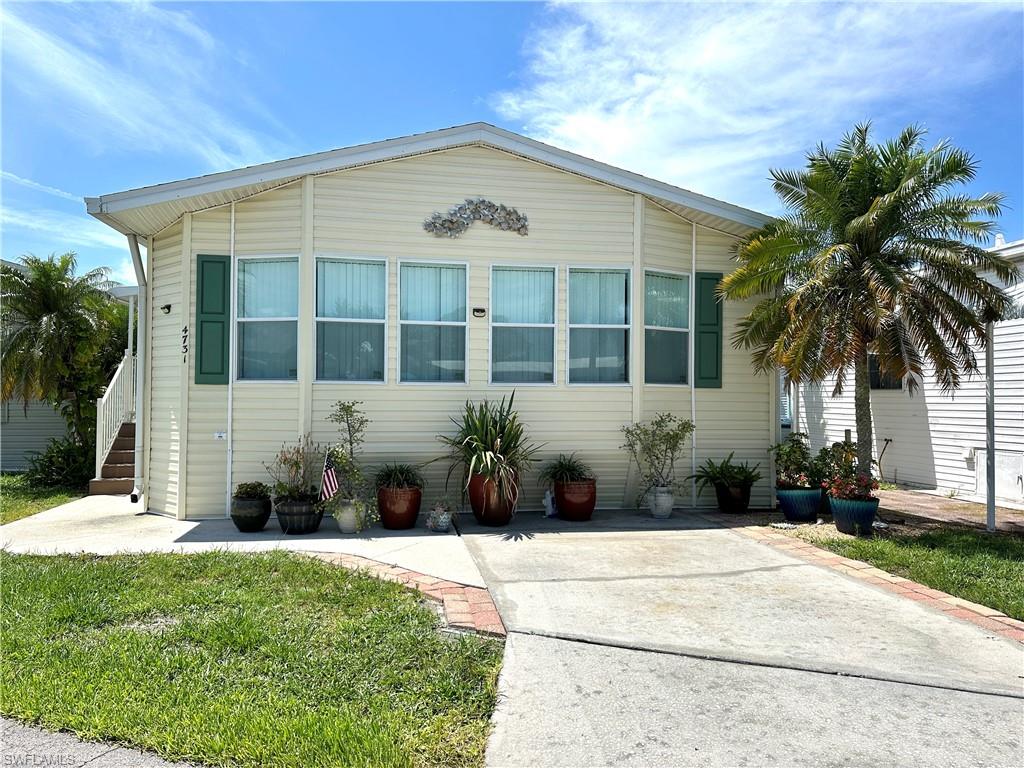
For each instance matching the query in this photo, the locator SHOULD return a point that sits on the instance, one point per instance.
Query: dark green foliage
(398, 476)
(726, 473)
(252, 491)
(64, 464)
(566, 469)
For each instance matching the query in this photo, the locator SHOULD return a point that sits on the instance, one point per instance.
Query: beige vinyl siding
(164, 377)
(26, 431)
(378, 211)
(931, 431)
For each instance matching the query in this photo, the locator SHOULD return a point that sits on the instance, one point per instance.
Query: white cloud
(66, 230)
(8, 176)
(709, 96)
(136, 74)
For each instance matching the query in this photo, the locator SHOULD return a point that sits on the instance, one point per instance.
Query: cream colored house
(275, 290)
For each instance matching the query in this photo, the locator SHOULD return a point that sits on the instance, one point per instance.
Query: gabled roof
(147, 210)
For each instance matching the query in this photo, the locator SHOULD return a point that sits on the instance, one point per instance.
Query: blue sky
(98, 98)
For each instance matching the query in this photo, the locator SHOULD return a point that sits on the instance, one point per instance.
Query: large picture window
(351, 305)
(268, 318)
(598, 326)
(522, 325)
(432, 320)
(666, 328)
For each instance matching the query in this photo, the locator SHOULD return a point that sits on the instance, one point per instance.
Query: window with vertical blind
(666, 328)
(351, 306)
(268, 318)
(523, 325)
(432, 322)
(598, 326)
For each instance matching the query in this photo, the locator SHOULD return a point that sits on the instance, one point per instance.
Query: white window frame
(317, 319)
(569, 325)
(235, 319)
(465, 323)
(688, 330)
(553, 325)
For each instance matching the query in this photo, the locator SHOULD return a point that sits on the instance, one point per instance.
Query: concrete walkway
(27, 746)
(932, 505)
(105, 525)
(638, 642)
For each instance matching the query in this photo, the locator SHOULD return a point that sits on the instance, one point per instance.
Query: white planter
(662, 501)
(348, 521)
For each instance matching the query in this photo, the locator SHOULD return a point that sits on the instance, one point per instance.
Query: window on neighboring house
(523, 325)
(881, 380)
(351, 304)
(666, 328)
(432, 319)
(268, 318)
(598, 326)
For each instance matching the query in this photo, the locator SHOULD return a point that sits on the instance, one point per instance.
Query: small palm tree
(55, 327)
(871, 259)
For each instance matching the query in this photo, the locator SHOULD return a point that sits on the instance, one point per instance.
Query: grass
(241, 660)
(18, 499)
(974, 565)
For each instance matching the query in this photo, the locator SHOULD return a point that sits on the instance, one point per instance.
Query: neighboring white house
(934, 440)
(26, 430)
(275, 290)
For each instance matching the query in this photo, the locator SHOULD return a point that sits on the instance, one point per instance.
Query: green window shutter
(707, 359)
(213, 319)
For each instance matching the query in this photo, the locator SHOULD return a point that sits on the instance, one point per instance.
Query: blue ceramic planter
(854, 516)
(800, 505)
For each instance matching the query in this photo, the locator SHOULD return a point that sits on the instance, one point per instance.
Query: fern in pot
(574, 485)
(655, 447)
(732, 482)
(492, 449)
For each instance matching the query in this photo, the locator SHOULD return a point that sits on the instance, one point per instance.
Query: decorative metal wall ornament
(458, 219)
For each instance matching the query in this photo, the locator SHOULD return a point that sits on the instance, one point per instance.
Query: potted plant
(250, 507)
(399, 493)
(797, 483)
(348, 503)
(439, 519)
(295, 493)
(732, 482)
(655, 447)
(850, 497)
(574, 485)
(492, 448)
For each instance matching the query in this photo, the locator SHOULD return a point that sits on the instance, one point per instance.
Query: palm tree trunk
(862, 412)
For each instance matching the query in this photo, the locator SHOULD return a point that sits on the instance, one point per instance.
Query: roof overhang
(147, 210)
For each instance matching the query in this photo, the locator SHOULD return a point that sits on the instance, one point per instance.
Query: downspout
(231, 369)
(140, 365)
(693, 346)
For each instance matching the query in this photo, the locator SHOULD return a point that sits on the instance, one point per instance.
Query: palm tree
(876, 255)
(55, 329)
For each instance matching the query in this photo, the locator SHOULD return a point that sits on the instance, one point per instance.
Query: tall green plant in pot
(797, 484)
(492, 449)
(732, 482)
(349, 504)
(295, 472)
(655, 447)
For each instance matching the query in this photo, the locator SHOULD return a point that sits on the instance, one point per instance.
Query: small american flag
(329, 485)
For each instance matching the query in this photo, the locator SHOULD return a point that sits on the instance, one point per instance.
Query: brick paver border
(465, 607)
(980, 615)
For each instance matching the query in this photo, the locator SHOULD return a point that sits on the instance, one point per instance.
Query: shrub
(252, 491)
(655, 447)
(793, 463)
(64, 463)
(352, 424)
(295, 471)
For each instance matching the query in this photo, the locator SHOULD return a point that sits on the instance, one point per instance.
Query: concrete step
(124, 444)
(110, 486)
(120, 457)
(118, 470)
(127, 430)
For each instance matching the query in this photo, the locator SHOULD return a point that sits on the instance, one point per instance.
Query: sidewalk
(934, 506)
(28, 746)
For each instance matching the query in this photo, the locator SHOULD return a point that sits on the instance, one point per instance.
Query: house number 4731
(184, 344)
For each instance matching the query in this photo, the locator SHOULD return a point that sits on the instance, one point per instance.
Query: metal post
(990, 428)
(131, 326)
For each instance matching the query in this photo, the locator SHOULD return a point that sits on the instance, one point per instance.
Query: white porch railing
(116, 407)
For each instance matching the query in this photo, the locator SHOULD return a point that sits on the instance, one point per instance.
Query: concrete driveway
(638, 642)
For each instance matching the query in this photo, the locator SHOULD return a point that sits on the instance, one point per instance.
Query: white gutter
(693, 367)
(231, 372)
(140, 365)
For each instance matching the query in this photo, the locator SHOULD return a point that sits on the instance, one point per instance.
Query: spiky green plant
(871, 258)
(398, 476)
(565, 469)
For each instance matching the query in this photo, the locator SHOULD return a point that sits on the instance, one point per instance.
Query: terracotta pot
(250, 515)
(576, 500)
(488, 507)
(732, 499)
(399, 507)
(298, 517)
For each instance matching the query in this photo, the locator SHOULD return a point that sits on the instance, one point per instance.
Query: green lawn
(243, 660)
(977, 566)
(18, 499)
